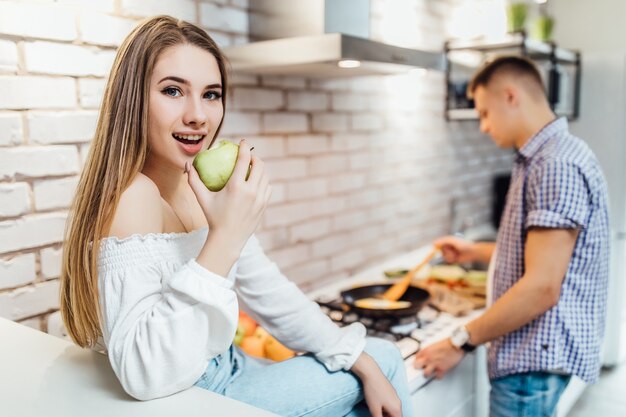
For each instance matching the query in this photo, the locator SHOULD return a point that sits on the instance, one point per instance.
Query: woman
(161, 287)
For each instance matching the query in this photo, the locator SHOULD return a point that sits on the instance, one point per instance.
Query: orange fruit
(248, 324)
(261, 334)
(276, 351)
(253, 346)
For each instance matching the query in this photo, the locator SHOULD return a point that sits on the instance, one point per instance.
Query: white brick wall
(239, 123)
(55, 58)
(310, 230)
(307, 188)
(35, 92)
(90, 92)
(349, 102)
(330, 122)
(17, 271)
(14, 199)
(31, 231)
(285, 123)
(30, 300)
(61, 127)
(267, 147)
(37, 20)
(38, 161)
(291, 83)
(54, 194)
(286, 169)
(182, 9)
(10, 129)
(257, 99)
(8, 56)
(309, 272)
(51, 262)
(102, 29)
(308, 145)
(291, 255)
(225, 19)
(328, 164)
(361, 168)
(367, 121)
(107, 6)
(307, 101)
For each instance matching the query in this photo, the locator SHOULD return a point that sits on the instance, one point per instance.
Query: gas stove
(409, 333)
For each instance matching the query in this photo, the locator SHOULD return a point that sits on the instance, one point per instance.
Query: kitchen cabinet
(461, 393)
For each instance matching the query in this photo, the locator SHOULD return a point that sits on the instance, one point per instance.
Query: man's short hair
(510, 65)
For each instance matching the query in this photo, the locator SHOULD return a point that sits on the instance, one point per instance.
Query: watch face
(459, 337)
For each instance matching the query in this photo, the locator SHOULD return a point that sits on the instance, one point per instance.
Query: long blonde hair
(117, 154)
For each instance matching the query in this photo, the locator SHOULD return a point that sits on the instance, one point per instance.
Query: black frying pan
(416, 296)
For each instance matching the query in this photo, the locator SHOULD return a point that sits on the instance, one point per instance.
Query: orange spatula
(398, 289)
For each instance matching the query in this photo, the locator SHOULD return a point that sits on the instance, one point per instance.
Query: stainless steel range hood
(315, 38)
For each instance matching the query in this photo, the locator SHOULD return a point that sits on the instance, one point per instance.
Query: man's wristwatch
(460, 339)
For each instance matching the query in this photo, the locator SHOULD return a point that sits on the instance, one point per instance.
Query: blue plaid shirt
(556, 183)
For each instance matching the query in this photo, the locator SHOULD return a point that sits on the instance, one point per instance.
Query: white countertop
(44, 376)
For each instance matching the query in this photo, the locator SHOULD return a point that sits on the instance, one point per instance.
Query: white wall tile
(10, 129)
(36, 92)
(30, 300)
(223, 18)
(38, 161)
(17, 270)
(36, 20)
(8, 56)
(181, 9)
(31, 231)
(103, 29)
(14, 199)
(61, 126)
(54, 194)
(64, 59)
(51, 262)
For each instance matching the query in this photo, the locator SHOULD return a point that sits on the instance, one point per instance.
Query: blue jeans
(302, 386)
(531, 394)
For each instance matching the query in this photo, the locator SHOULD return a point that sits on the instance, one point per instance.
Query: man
(551, 265)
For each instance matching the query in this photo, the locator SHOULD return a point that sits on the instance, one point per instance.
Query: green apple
(239, 335)
(215, 165)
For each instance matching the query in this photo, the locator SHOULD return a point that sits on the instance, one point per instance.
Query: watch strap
(468, 347)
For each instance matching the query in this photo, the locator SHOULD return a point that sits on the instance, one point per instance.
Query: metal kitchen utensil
(399, 288)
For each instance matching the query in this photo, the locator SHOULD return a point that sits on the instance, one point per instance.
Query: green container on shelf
(516, 16)
(542, 28)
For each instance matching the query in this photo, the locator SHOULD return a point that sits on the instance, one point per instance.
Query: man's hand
(380, 396)
(457, 250)
(437, 359)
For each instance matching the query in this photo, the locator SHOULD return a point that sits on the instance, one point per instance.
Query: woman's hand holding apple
(234, 212)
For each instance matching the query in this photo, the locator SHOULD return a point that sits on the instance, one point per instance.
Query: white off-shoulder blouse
(165, 316)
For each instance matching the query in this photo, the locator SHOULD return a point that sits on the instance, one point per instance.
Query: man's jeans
(532, 394)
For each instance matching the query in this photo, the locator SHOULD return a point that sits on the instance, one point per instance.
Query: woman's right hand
(380, 396)
(234, 212)
(456, 250)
